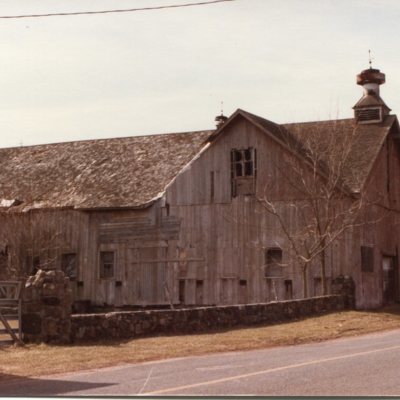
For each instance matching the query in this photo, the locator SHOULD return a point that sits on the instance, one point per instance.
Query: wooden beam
(168, 260)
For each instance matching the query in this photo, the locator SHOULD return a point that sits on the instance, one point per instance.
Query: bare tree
(322, 200)
(29, 240)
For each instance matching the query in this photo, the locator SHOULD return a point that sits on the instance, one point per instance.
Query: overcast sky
(112, 75)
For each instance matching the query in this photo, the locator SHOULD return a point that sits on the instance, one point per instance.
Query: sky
(112, 75)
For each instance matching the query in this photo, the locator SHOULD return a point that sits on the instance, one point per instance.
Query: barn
(252, 211)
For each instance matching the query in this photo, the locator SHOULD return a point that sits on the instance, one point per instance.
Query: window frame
(270, 263)
(246, 159)
(102, 264)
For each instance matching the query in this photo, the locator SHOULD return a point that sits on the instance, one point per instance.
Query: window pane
(106, 264)
(238, 155)
(248, 168)
(239, 170)
(247, 154)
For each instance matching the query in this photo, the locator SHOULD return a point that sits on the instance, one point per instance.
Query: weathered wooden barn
(185, 218)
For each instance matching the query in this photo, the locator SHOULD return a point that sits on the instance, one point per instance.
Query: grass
(36, 360)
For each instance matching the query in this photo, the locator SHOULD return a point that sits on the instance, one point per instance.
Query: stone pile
(46, 308)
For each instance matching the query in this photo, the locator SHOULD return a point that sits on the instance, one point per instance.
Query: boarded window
(273, 263)
(243, 171)
(107, 264)
(367, 259)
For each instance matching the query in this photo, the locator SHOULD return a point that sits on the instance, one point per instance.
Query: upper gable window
(243, 162)
(243, 171)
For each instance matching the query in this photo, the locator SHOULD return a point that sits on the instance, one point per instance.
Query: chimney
(370, 108)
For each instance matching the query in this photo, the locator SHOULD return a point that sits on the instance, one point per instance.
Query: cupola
(370, 109)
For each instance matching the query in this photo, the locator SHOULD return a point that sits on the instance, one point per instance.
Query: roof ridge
(318, 121)
(107, 139)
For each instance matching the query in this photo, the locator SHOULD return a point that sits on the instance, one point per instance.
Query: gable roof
(105, 173)
(133, 172)
(364, 141)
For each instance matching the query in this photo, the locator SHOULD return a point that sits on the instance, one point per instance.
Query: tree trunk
(304, 279)
(323, 273)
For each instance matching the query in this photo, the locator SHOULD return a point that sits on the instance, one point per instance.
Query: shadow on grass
(393, 308)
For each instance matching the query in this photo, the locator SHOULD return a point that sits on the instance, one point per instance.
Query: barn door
(150, 278)
(388, 279)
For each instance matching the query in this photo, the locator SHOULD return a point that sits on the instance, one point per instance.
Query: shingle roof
(122, 172)
(364, 141)
(370, 100)
(133, 171)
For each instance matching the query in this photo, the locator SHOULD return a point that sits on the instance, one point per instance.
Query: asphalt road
(364, 365)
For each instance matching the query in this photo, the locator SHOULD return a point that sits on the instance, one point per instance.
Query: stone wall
(344, 285)
(130, 324)
(46, 308)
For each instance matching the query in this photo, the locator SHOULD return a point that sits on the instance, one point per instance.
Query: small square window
(106, 264)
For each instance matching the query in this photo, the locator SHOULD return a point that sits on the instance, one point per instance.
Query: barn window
(288, 289)
(107, 261)
(367, 259)
(273, 263)
(243, 171)
(69, 265)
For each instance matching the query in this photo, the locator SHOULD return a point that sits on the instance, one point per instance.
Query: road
(364, 365)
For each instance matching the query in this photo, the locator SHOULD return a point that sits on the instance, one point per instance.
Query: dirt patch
(36, 360)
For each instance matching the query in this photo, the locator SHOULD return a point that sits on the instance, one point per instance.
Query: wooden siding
(200, 245)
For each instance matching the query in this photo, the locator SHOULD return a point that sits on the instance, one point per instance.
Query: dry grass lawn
(35, 360)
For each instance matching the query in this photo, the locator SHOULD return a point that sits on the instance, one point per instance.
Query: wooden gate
(10, 312)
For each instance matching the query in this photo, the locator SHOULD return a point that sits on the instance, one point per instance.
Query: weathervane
(370, 59)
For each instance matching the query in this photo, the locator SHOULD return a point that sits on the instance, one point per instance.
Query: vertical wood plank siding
(200, 240)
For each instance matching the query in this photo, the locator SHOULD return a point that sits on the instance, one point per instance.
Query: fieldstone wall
(46, 308)
(344, 285)
(130, 324)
